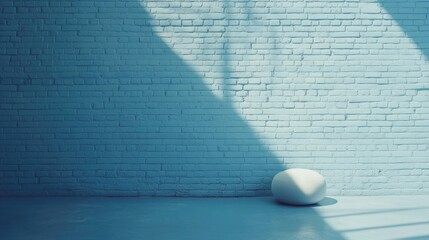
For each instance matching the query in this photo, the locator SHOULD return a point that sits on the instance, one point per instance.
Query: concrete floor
(399, 217)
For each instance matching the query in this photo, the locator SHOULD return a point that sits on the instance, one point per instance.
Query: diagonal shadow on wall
(106, 107)
(413, 17)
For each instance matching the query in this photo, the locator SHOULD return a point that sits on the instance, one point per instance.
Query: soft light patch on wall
(321, 81)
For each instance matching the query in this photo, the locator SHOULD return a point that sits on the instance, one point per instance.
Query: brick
(200, 98)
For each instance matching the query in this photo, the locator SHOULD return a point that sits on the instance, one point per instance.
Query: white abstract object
(298, 186)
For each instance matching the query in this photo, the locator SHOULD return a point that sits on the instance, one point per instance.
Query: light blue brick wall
(212, 98)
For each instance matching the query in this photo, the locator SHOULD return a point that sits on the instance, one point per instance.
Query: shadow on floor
(159, 219)
(370, 218)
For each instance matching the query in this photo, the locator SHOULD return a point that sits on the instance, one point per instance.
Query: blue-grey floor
(399, 217)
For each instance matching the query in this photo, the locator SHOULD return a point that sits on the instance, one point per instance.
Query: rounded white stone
(298, 186)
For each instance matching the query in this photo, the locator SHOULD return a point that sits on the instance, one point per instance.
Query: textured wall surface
(212, 98)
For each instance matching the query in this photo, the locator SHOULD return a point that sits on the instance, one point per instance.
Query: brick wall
(212, 98)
